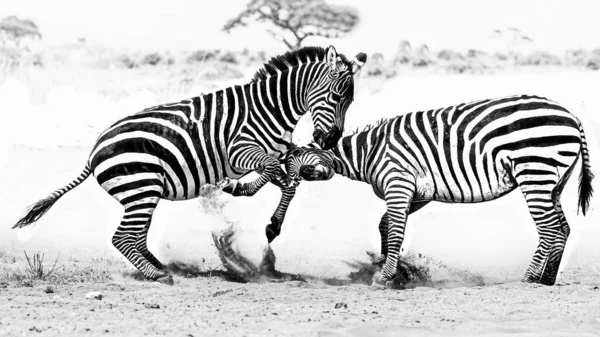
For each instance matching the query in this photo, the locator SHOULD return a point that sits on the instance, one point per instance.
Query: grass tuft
(36, 266)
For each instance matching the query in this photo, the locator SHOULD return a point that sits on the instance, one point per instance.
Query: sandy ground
(211, 306)
(329, 227)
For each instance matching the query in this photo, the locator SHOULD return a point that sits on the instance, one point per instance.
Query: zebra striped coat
(170, 151)
(471, 152)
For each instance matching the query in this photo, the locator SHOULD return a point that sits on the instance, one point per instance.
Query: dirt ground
(212, 306)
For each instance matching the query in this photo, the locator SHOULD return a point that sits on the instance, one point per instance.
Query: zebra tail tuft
(586, 176)
(37, 210)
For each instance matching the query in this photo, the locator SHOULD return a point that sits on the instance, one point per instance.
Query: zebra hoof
(167, 279)
(379, 281)
(271, 234)
(228, 186)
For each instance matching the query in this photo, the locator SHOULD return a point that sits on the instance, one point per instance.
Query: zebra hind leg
(130, 237)
(542, 194)
(142, 246)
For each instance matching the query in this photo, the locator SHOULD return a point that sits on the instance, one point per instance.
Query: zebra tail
(585, 177)
(37, 210)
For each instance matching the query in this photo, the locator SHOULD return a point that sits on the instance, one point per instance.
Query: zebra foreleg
(274, 228)
(383, 229)
(399, 190)
(383, 232)
(255, 159)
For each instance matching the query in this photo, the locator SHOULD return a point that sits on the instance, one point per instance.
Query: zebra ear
(358, 62)
(332, 57)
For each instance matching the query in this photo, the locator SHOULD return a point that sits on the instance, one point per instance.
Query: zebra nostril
(306, 171)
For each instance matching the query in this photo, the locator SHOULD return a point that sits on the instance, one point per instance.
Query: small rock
(341, 305)
(96, 295)
(152, 306)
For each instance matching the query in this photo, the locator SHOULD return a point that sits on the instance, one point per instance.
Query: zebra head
(309, 164)
(330, 98)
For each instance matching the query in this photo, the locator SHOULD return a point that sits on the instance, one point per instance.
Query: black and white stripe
(170, 151)
(471, 152)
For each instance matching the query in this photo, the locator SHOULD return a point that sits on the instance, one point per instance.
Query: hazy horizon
(187, 25)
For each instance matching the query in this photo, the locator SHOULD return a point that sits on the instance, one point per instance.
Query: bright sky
(196, 24)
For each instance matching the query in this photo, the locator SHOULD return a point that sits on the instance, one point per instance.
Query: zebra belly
(479, 190)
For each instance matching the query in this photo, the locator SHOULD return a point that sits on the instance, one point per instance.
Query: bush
(422, 62)
(474, 53)
(152, 59)
(449, 55)
(202, 56)
(540, 58)
(229, 57)
(593, 63)
(127, 62)
(501, 57)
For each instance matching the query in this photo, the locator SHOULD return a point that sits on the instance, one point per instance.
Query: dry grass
(33, 270)
(36, 267)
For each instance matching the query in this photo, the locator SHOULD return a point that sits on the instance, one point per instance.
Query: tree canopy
(292, 21)
(14, 29)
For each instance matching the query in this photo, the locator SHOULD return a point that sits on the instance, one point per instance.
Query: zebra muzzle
(312, 172)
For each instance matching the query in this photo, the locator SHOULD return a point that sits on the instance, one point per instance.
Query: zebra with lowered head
(171, 150)
(471, 152)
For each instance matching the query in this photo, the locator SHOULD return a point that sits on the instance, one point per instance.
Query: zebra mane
(291, 59)
(371, 126)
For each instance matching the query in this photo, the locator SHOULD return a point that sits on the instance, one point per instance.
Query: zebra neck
(279, 98)
(349, 159)
(267, 107)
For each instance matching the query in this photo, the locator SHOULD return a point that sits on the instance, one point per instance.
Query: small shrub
(449, 55)
(422, 63)
(126, 62)
(593, 63)
(501, 57)
(474, 53)
(540, 58)
(49, 290)
(202, 56)
(229, 57)
(152, 59)
(36, 267)
(577, 57)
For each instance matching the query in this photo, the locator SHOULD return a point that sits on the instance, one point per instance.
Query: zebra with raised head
(471, 152)
(171, 150)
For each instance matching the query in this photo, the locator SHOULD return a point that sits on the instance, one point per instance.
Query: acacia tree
(14, 29)
(292, 21)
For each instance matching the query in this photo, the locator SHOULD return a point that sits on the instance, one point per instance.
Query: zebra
(171, 150)
(467, 153)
